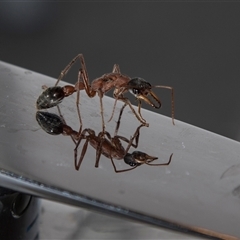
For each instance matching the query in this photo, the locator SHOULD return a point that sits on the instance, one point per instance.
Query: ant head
(138, 86)
(50, 123)
(138, 158)
(129, 159)
(142, 89)
(51, 97)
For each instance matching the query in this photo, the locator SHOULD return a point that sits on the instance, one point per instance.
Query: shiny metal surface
(61, 221)
(188, 194)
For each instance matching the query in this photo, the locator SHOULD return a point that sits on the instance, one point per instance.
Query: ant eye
(135, 91)
(128, 159)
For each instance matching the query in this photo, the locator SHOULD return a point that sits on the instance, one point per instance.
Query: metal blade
(197, 192)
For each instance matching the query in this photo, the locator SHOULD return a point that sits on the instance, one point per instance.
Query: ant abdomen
(50, 122)
(51, 97)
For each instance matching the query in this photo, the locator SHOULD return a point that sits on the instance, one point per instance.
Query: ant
(141, 89)
(110, 147)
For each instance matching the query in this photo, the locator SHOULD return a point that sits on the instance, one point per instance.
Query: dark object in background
(19, 215)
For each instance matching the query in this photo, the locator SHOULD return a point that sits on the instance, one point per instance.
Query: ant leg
(139, 108)
(77, 163)
(100, 94)
(139, 117)
(85, 79)
(161, 164)
(85, 73)
(114, 106)
(119, 96)
(131, 141)
(124, 170)
(134, 137)
(116, 94)
(172, 97)
(90, 92)
(77, 100)
(99, 147)
(68, 67)
(116, 69)
(119, 119)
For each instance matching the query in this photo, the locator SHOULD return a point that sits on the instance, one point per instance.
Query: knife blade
(193, 194)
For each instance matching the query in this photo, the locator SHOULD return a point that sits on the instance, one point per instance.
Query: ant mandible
(122, 83)
(111, 147)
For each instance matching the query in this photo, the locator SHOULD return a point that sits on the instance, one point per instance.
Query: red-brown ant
(121, 83)
(110, 147)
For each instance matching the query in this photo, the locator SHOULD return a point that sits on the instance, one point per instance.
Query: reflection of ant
(110, 147)
(121, 83)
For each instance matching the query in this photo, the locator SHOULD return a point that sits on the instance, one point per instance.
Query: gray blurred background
(192, 46)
